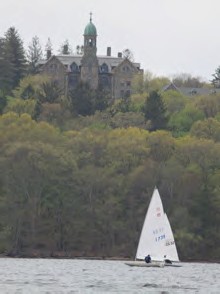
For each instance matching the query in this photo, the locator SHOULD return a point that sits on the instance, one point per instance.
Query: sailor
(148, 258)
(167, 261)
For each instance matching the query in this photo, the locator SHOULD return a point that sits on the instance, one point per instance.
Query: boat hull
(173, 265)
(144, 264)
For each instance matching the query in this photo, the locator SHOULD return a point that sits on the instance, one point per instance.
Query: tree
(181, 122)
(155, 111)
(186, 80)
(6, 69)
(82, 100)
(3, 101)
(154, 83)
(15, 55)
(34, 54)
(65, 48)
(216, 80)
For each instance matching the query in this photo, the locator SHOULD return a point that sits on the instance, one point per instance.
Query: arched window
(104, 68)
(74, 67)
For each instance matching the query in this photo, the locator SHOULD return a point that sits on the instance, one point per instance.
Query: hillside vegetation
(77, 173)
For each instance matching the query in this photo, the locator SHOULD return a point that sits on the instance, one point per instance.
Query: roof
(67, 60)
(90, 29)
(187, 91)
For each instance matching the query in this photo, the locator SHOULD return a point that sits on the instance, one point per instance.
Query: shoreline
(70, 256)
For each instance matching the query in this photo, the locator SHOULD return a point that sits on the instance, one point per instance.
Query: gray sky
(166, 36)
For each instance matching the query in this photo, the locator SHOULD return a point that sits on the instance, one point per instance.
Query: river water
(101, 276)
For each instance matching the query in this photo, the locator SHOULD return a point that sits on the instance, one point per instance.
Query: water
(97, 276)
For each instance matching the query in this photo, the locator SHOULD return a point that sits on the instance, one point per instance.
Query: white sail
(153, 232)
(170, 246)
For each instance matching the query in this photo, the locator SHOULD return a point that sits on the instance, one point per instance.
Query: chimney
(119, 54)
(108, 51)
(48, 53)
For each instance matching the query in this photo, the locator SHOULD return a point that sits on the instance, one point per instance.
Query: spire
(90, 16)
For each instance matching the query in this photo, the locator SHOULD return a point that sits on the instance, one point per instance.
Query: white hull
(173, 264)
(144, 264)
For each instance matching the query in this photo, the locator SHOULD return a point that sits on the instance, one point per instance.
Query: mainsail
(156, 236)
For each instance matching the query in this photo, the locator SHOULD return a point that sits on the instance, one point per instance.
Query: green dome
(90, 30)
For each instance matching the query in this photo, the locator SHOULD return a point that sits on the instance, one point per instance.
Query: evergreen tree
(102, 99)
(15, 55)
(6, 69)
(3, 101)
(155, 111)
(82, 100)
(34, 54)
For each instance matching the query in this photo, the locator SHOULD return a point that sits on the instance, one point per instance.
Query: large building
(114, 74)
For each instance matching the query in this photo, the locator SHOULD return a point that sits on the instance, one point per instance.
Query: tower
(89, 63)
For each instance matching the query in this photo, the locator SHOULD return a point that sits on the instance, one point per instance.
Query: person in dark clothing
(148, 258)
(167, 261)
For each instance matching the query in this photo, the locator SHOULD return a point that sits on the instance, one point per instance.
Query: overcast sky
(167, 37)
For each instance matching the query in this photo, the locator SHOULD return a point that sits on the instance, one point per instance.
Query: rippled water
(97, 276)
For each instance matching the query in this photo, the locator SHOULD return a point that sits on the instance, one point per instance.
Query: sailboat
(156, 237)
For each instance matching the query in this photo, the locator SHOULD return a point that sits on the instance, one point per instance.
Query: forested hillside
(77, 172)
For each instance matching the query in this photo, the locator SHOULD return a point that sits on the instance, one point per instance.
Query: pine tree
(34, 54)
(15, 55)
(155, 111)
(82, 100)
(6, 70)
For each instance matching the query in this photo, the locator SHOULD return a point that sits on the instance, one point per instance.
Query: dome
(90, 30)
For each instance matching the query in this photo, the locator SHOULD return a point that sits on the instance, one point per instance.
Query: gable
(126, 67)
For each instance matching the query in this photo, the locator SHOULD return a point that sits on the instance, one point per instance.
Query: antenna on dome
(90, 16)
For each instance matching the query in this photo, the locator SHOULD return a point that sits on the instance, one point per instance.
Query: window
(104, 68)
(128, 93)
(128, 83)
(53, 67)
(126, 68)
(74, 67)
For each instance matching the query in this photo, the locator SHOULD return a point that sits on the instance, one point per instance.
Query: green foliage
(82, 192)
(174, 101)
(6, 69)
(155, 111)
(208, 129)
(85, 101)
(181, 122)
(153, 83)
(3, 102)
(20, 106)
(15, 55)
(209, 105)
(216, 80)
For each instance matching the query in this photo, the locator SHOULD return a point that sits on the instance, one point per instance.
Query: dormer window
(74, 67)
(104, 68)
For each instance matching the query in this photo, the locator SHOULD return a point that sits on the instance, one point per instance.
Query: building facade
(114, 74)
